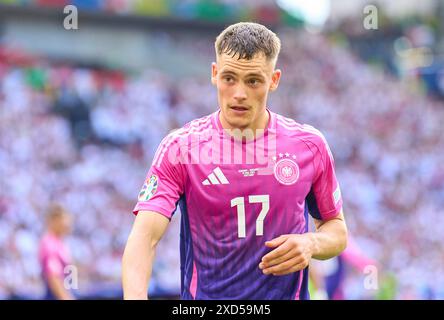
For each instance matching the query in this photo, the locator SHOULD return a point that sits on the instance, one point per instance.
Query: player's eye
(253, 82)
(228, 79)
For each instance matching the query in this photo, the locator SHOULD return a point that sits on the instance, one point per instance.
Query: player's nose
(240, 94)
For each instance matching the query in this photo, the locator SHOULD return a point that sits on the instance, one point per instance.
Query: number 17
(240, 204)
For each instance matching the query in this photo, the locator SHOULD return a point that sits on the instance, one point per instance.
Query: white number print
(240, 204)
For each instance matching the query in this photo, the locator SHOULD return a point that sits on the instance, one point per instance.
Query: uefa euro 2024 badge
(286, 170)
(149, 188)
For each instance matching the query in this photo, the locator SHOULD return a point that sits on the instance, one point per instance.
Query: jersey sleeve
(50, 262)
(164, 183)
(53, 266)
(324, 199)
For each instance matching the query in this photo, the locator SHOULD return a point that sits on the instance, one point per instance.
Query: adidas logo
(215, 177)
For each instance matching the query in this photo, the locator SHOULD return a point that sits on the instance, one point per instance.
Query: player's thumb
(276, 241)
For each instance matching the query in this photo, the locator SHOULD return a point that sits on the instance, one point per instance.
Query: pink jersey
(236, 195)
(54, 257)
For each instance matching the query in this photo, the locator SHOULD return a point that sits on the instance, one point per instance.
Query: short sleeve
(53, 266)
(50, 260)
(163, 185)
(324, 199)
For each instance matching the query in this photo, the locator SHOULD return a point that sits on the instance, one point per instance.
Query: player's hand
(293, 253)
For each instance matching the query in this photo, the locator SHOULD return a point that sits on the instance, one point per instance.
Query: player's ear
(276, 76)
(214, 73)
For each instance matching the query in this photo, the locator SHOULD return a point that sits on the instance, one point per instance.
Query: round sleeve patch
(149, 188)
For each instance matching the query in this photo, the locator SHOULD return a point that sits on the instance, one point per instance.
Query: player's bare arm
(57, 288)
(137, 261)
(293, 252)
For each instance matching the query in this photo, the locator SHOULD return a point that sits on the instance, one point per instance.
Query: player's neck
(249, 132)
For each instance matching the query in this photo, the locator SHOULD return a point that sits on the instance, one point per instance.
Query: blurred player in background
(328, 277)
(244, 231)
(54, 255)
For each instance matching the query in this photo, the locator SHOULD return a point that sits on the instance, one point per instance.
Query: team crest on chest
(286, 170)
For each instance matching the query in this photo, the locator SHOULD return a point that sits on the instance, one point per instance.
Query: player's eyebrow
(248, 74)
(228, 72)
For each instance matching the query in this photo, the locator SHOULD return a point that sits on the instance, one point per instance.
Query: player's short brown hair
(55, 211)
(246, 39)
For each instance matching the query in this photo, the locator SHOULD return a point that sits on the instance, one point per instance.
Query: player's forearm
(137, 263)
(329, 240)
(57, 288)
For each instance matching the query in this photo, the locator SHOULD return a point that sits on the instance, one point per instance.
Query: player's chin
(239, 120)
(239, 123)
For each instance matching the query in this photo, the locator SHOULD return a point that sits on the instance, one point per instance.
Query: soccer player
(331, 276)
(245, 179)
(54, 255)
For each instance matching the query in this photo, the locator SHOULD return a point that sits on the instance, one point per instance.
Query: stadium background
(82, 112)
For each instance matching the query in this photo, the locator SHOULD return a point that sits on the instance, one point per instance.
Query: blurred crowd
(208, 10)
(85, 138)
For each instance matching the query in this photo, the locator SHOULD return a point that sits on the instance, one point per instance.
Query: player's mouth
(240, 110)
